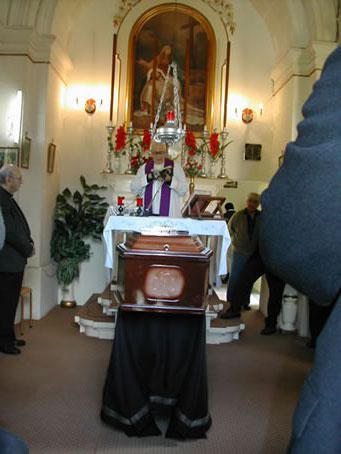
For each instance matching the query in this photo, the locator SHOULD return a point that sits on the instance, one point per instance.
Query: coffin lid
(179, 244)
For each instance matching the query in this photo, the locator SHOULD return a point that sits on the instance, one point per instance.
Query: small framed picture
(253, 152)
(25, 153)
(51, 154)
(9, 155)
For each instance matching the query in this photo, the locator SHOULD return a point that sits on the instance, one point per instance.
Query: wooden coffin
(163, 274)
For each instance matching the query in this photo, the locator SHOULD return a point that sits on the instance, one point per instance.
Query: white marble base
(91, 328)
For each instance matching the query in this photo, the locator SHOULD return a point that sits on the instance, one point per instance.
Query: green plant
(77, 217)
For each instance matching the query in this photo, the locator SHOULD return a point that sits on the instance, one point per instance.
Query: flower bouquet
(190, 144)
(192, 168)
(140, 151)
(120, 141)
(215, 148)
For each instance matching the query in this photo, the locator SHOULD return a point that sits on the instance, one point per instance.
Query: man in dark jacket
(13, 257)
(302, 246)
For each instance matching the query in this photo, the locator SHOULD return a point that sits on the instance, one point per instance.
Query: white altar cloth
(207, 228)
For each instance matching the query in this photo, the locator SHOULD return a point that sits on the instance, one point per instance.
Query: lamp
(247, 115)
(172, 131)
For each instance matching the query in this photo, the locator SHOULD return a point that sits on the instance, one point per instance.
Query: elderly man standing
(243, 228)
(17, 248)
(161, 182)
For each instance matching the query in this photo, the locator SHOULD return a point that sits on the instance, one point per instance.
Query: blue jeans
(238, 263)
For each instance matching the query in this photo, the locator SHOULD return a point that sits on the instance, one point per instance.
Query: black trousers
(253, 270)
(318, 316)
(10, 286)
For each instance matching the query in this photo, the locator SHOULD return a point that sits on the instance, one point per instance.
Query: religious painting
(9, 155)
(167, 34)
(25, 153)
(253, 152)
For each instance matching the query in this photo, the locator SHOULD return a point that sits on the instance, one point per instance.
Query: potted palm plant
(78, 217)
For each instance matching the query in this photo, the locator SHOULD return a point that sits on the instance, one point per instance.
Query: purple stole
(165, 189)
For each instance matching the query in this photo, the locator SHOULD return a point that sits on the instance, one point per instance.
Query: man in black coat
(301, 244)
(17, 248)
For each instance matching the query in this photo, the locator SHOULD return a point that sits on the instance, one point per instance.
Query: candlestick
(223, 135)
(120, 203)
(170, 115)
(139, 205)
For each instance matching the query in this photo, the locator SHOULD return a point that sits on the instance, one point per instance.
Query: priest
(161, 182)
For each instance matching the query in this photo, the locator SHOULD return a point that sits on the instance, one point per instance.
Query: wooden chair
(25, 292)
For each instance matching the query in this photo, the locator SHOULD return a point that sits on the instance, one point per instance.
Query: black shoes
(268, 330)
(19, 343)
(311, 344)
(246, 308)
(10, 350)
(13, 349)
(229, 315)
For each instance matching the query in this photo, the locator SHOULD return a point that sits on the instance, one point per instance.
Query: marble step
(98, 316)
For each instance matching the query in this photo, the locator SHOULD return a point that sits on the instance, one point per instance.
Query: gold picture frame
(9, 155)
(25, 153)
(164, 34)
(51, 155)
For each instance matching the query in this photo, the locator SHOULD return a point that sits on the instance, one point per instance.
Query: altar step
(92, 319)
(97, 318)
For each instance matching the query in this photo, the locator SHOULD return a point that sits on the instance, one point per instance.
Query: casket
(163, 273)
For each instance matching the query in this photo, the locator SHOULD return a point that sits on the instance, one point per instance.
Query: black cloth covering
(158, 358)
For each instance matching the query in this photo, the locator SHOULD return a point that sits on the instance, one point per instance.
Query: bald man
(161, 182)
(17, 248)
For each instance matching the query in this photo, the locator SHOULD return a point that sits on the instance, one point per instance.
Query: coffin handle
(166, 247)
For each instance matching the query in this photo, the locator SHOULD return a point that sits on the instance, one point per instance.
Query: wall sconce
(88, 98)
(90, 105)
(247, 115)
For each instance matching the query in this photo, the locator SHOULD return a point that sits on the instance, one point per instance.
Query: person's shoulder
(239, 213)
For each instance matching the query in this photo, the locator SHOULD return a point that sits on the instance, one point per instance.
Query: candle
(139, 201)
(120, 200)
(170, 115)
(205, 128)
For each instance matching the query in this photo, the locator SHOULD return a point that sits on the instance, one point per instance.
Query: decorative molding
(38, 48)
(300, 63)
(224, 9)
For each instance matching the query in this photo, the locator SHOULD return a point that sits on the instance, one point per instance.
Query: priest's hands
(163, 175)
(167, 175)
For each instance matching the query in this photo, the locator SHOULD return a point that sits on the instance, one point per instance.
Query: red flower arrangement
(140, 151)
(120, 141)
(192, 168)
(146, 140)
(214, 147)
(190, 143)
